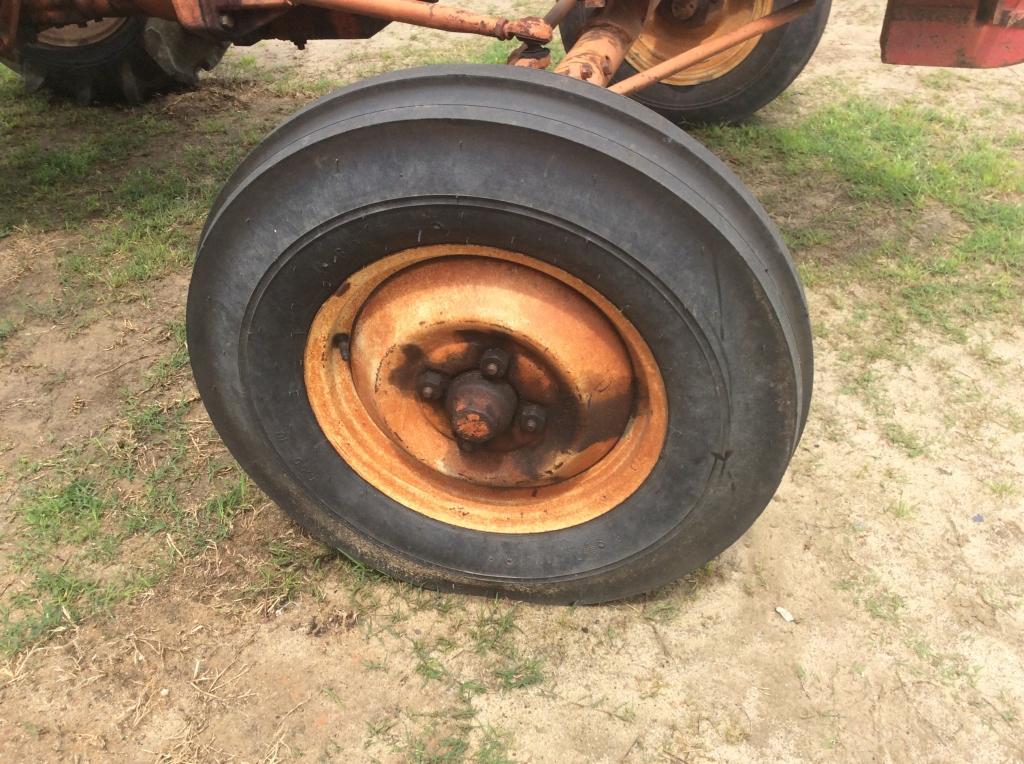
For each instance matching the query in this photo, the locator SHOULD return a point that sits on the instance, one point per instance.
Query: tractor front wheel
(500, 331)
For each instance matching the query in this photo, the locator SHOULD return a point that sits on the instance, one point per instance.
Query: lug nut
(430, 385)
(685, 9)
(532, 418)
(494, 363)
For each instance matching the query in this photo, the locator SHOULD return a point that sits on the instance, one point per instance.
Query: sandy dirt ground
(904, 574)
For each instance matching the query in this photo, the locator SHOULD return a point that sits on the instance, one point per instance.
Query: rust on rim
(76, 35)
(669, 32)
(486, 389)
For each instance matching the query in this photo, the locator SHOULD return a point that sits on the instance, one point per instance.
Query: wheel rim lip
(358, 437)
(76, 36)
(661, 39)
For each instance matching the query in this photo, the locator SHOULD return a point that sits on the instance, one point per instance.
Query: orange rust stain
(472, 427)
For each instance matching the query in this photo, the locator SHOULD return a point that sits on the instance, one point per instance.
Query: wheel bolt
(685, 9)
(532, 418)
(494, 363)
(430, 385)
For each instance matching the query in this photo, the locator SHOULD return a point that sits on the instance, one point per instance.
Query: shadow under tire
(470, 160)
(762, 76)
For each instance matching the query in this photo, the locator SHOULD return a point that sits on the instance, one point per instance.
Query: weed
(661, 612)
(494, 627)
(901, 509)
(333, 696)
(1003, 489)
(518, 673)
(470, 688)
(885, 605)
(493, 748)
(427, 665)
(7, 330)
(903, 438)
(162, 371)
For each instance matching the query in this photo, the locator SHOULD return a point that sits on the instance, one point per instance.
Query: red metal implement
(961, 33)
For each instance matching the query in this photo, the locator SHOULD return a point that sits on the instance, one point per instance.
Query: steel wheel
(448, 364)
(76, 35)
(729, 86)
(671, 31)
(533, 406)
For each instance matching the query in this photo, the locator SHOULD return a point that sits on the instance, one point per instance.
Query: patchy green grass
(134, 184)
(915, 224)
(72, 533)
(109, 518)
(922, 210)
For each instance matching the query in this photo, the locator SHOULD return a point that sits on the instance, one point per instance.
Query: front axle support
(595, 58)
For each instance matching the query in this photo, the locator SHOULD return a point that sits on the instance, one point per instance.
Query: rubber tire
(503, 156)
(759, 79)
(143, 57)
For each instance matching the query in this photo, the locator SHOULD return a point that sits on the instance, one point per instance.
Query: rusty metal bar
(760, 26)
(604, 42)
(208, 15)
(556, 15)
(422, 14)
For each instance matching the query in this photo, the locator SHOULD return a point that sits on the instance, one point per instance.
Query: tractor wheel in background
(495, 330)
(729, 86)
(116, 59)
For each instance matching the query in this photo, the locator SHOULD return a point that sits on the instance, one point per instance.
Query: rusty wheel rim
(77, 35)
(665, 36)
(486, 389)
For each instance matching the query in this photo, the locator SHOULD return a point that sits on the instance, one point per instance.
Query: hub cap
(485, 389)
(669, 32)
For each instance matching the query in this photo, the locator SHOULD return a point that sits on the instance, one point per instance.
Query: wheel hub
(679, 25)
(480, 404)
(479, 408)
(492, 335)
(485, 389)
(77, 35)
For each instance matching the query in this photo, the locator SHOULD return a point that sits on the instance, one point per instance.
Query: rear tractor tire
(730, 86)
(495, 330)
(115, 59)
